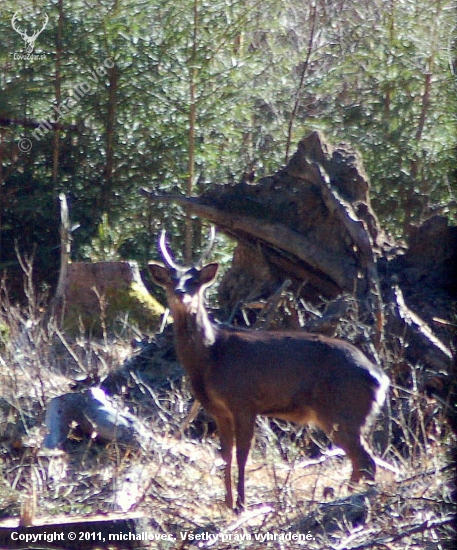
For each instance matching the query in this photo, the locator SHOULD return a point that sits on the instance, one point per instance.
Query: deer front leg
(244, 430)
(226, 436)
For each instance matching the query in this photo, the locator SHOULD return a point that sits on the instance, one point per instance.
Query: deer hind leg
(244, 430)
(363, 465)
(226, 436)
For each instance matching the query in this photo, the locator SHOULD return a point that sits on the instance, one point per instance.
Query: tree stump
(106, 295)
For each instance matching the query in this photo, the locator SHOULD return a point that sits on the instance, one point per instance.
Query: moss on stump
(107, 295)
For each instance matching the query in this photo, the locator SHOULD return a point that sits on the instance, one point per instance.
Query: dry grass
(177, 482)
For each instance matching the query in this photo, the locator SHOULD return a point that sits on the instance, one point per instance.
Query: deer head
(184, 285)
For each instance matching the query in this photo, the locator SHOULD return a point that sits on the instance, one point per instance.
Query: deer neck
(194, 334)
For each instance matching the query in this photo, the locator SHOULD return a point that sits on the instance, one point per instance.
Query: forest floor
(296, 489)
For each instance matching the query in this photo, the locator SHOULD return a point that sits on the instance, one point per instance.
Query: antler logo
(29, 40)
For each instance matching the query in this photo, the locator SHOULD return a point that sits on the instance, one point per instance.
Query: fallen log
(96, 415)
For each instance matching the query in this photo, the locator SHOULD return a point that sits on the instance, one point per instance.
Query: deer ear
(159, 274)
(208, 273)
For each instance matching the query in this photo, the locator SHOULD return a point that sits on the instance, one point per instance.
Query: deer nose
(179, 292)
(182, 295)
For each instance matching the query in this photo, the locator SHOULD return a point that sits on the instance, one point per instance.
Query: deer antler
(209, 248)
(13, 24)
(204, 256)
(36, 33)
(164, 250)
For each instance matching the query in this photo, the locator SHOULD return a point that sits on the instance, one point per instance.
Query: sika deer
(237, 374)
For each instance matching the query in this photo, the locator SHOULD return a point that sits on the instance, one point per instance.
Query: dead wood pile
(310, 227)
